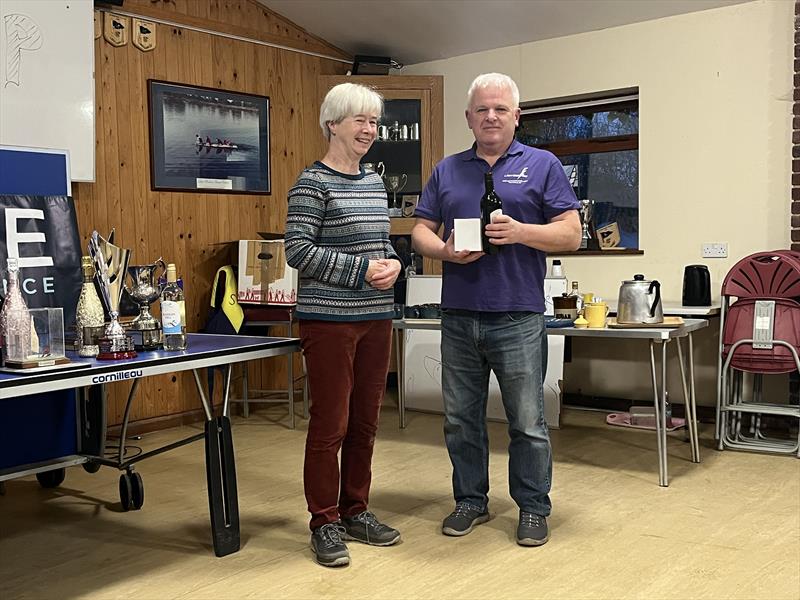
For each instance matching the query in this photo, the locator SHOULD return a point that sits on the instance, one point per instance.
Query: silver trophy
(144, 289)
(588, 238)
(111, 264)
(395, 184)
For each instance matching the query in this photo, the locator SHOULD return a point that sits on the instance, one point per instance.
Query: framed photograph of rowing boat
(208, 140)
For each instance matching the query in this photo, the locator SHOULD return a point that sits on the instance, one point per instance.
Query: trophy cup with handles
(145, 289)
(395, 184)
(111, 264)
(378, 168)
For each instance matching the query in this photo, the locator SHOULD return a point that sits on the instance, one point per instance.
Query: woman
(337, 237)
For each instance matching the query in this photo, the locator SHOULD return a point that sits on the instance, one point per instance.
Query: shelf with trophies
(595, 241)
(409, 144)
(396, 156)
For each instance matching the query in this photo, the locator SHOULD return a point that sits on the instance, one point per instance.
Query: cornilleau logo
(516, 178)
(121, 376)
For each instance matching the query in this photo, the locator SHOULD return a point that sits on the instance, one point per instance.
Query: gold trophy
(111, 264)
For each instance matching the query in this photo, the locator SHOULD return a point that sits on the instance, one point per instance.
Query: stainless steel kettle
(640, 301)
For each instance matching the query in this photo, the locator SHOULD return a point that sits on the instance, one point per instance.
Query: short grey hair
(494, 80)
(347, 100)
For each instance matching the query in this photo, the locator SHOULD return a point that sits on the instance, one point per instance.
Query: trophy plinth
(111, 264)
(144, 289)
(115, 344)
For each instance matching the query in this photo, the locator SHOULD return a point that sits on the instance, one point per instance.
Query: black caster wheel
(91, 467)
(125, 492)
(137, 487)
(51, 479)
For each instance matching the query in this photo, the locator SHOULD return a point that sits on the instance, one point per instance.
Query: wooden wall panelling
(190, 228)
(121, 213)
(198, 10)
(140, 64)
(228, 17)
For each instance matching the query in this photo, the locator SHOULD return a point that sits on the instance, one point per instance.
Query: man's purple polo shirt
(533, 188)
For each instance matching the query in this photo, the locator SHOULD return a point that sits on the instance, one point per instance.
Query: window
(599, 138)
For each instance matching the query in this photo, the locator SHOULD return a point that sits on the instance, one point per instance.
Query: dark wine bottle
(491, 206)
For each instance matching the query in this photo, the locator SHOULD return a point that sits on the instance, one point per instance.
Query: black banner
(42, 231)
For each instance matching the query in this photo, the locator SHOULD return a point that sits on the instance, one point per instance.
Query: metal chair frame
(732, 409)
(275, 396)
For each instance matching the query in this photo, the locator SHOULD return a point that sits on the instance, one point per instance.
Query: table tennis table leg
(223, 500)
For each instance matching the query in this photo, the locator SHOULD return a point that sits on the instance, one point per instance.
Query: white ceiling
(414, 31)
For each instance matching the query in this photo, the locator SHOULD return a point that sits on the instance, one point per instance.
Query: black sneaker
(328, 547)
(364, 527)
(532, 529)
(463, 519)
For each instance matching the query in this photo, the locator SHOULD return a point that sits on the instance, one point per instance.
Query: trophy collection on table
(33, 338)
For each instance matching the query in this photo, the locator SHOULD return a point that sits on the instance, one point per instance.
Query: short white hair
(347, 100)
(494, 80)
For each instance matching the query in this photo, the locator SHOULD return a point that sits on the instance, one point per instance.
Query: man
(493, 305)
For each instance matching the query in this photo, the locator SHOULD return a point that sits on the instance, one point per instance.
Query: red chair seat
(739, 326)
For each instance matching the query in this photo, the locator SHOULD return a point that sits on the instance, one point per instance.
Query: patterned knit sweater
(334, 225)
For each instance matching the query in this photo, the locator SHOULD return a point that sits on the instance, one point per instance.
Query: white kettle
(640, 301)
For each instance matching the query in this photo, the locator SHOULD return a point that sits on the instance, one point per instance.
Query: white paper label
(214, 184)
(170, 316)
(495, 214)
(762, 323)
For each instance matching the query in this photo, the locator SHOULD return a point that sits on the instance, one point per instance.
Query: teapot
(640, 301)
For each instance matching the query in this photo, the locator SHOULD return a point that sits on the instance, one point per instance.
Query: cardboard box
(467, 235)
(264, 277)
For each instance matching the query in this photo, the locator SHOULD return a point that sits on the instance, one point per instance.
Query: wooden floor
(727, 528)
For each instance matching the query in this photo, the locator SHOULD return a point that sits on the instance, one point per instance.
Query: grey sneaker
(463, 519)
(532, 529)
(328, 547)
(365, 527)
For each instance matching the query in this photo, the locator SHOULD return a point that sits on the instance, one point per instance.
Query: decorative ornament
(116, 29)
(144, 35)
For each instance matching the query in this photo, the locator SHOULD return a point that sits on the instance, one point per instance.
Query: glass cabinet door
(397, 154)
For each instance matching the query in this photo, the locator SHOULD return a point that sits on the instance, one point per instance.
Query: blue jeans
(511, 344)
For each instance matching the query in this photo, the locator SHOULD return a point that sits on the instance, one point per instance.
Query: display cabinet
(410, 143)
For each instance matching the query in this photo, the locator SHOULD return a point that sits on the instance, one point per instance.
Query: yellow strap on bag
(229, 302)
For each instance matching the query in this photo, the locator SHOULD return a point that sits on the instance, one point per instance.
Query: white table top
(675, 309)
(648, 333)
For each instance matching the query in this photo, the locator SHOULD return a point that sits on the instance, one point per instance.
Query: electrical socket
(715, 250)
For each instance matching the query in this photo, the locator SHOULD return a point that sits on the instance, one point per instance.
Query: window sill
(625, 252)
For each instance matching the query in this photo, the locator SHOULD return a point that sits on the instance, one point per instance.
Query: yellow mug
(595, 313)
(588, 298)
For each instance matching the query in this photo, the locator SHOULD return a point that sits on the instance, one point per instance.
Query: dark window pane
(536, 129)
(611, 179)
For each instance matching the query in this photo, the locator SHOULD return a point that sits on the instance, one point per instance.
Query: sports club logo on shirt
(516, 178)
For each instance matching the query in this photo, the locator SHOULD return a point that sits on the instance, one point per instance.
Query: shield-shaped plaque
(115, 29)
(144, 34)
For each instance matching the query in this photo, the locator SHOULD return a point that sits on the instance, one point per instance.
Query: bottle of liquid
(15, 320)
(172, 325)
(89, 314)
(556, 270)
(491, 206)
(578, 298)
